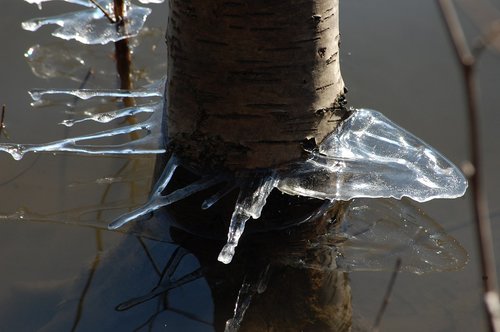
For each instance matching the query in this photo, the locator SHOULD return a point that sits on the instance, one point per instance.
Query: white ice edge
(91, 26)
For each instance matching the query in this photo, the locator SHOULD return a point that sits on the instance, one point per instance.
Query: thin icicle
(251, 201)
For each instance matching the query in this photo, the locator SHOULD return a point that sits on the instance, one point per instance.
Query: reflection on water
(153, 271)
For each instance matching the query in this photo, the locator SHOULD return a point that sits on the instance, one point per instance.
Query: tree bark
(250, 80)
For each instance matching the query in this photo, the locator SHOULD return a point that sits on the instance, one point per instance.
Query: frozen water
(151, 1)
(113, 115)
(370, 156)
(251, 201)
(60, 59)
(157, 201)
(39, 3)
(91, 26)
(149, 144)
(373, 233)
(152, 90)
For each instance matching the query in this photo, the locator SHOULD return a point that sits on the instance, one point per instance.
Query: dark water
(396, 58)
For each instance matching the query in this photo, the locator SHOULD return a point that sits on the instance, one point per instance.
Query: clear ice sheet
(370, 156)
(58, 59)
(91, 26)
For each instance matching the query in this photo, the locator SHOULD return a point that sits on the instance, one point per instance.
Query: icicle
(251, 201)
(370, 156)
(91, 26)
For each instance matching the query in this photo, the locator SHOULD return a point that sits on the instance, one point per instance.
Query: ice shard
(91, 26)
(370, 156)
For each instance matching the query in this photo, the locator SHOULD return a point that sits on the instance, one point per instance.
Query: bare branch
(104, 11)
(481, 213)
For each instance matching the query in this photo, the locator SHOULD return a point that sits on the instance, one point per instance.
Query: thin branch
(481, 212)
(104, 11)
(2, 123)
(387, 296)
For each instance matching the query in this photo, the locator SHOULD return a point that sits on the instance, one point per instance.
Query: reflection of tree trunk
(248, 81)
(295, 299)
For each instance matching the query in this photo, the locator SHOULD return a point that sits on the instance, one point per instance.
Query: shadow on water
(162, 272)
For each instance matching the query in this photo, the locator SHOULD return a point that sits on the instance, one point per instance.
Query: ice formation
(367, 156)
(148, 144)
(370, 156)
(91, 26)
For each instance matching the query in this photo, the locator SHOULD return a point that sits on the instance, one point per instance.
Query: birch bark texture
(250, 80)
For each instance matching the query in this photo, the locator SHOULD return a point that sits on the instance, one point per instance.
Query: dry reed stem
(468, 62)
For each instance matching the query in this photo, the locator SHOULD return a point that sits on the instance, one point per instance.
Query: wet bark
(250, 81)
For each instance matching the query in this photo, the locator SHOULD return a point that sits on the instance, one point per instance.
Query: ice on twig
(91, 26)
(154, 89)
(370, 156)
(113, 115)
(251, 201)
(373, 233)
(39, 3)
(149, 144)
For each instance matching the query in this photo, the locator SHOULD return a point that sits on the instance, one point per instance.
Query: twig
(105, 12)
(2, 118)
(387, 296)
(481, 214)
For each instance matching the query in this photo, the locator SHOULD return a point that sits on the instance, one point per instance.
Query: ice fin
(370, 156)
(91, 26)
(251, 201)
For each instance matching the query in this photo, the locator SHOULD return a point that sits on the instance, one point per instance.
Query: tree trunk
(250, 80)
